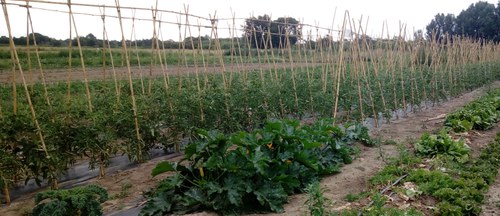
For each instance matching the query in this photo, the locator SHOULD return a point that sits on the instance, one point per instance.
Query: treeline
(91, 41)
(480, 21)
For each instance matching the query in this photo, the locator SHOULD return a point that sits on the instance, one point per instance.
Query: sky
(328, 14)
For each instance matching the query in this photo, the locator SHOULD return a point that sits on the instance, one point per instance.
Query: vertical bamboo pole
(86, 82)
(164, 63)
(292, 67)
(202, 53)
(392, 68)
(195, 59)
(14, 83)
(103, 17)
(356, 60)
(156, 47)
(166, 76)
(401, 51)
(117, 87)
(129, 72)
(341, 61)
(42, 74)
(134, 39)
(307, 69)
(221, 61)
(414, 59)
(70, 57)
(28, 47)
(364, 69)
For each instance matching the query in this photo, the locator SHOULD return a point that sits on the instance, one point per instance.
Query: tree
(91, 40)
(441, 26)
(261, 32)
(479, 21)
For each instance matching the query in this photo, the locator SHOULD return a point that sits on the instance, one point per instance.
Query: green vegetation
(251, 171)
(442, 145)
(440, 170)
(76, 201)
(316, 201)
(481, 114)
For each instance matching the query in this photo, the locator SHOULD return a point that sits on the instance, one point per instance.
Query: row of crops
(441, 168)
(256, 172)
(47, 127)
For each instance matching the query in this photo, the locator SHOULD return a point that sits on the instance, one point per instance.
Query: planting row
(481, 114)
(253, 171)
(440, 176)
(99, 119)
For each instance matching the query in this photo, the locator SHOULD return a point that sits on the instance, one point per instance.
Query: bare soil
(76, 74)
(126, 187)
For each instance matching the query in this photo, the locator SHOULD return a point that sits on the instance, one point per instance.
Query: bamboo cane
(341, 61)
(364, 69)
(195, 58)
(356, 61)
(129, 72)
(401, 51)
(42, 74)
(202, 52)
(292, 67)
(136, 49)
(28, 97)
(103, 17)
(28, 47)
(85, 78)
(156, 47)
(221, 61)
(6, 193)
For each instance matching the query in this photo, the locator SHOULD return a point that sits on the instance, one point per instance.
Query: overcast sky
(416, 14)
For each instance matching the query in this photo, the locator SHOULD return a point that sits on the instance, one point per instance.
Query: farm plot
(443, 173)
(56, 119)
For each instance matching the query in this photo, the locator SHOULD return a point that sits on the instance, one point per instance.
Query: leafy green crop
(481, 114)
(442, 145)
(251, 170)
(76, 201)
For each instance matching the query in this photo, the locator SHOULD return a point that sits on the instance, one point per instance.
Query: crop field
(282, 116)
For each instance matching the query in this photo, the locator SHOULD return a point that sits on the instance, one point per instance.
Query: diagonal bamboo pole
(341, 61)
(42, 74)
(85, 78)
(129, 73)
(23, 79)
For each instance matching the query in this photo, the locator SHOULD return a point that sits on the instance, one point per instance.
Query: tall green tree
(261, 32)
(479, 21)
(441, 26)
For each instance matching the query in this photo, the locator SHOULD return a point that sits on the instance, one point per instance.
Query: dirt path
(126, 187)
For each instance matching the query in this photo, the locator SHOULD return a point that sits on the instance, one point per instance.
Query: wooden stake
(341, 61)
(28, 97)
(6, 193)
(129, 72)
(42, 74)
(85, 79)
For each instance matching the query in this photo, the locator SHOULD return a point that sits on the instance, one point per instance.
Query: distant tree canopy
(261, 32)
(479, 21)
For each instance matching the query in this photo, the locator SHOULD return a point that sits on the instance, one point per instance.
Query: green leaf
(167, 166)
(310, 145)
(272, 196)
(304, 159)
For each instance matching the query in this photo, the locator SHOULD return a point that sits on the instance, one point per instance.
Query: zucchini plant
(251, 170)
